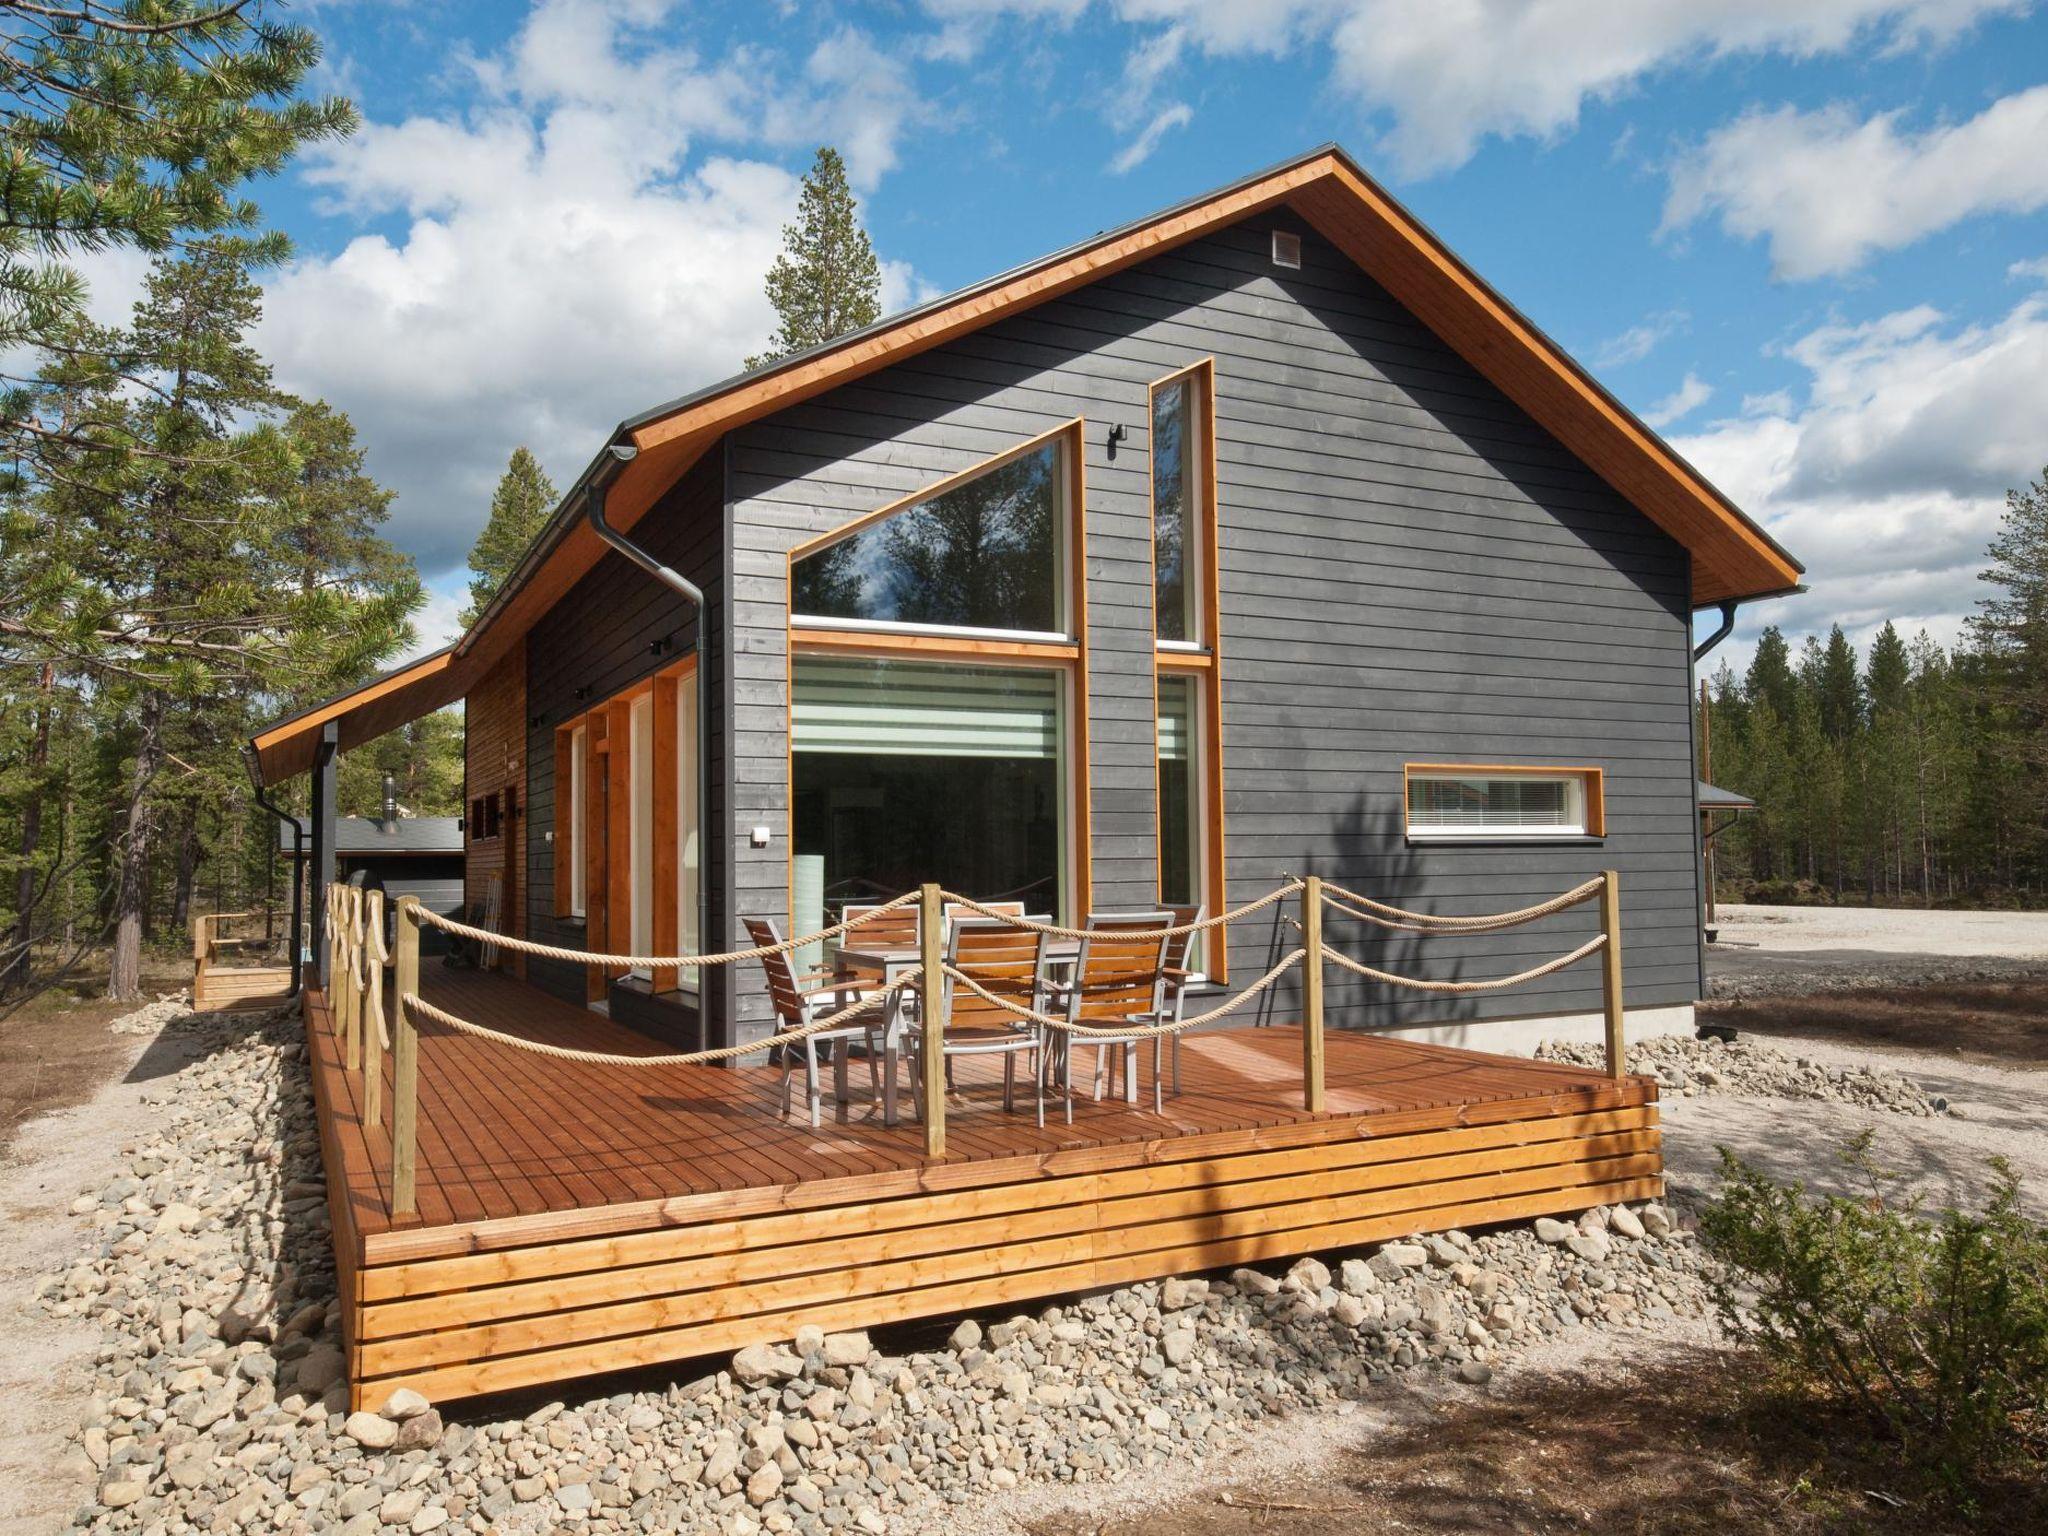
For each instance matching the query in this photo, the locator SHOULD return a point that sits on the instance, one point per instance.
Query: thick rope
(379, 957)
(419, 1005)
(654, 962)
(1054, 930)
(1134, 1031)
(1591, 946)
(1367, 910)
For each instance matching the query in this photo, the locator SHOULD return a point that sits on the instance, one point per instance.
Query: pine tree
(180, 562)
(2012, 627)
(826, 281)
(1840, 688)
(1770, 679)
(519, 507)
(131, 125)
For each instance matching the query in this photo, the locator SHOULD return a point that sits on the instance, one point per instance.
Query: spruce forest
(1914, 773)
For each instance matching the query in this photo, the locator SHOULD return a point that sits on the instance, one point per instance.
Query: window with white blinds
(1447, 804)
(866, 707)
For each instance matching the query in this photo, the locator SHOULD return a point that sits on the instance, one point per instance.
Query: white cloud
(1641, 339)
(1889, 478)
(1139, 150)
(1828, 190)
(1693, 393)
(565, 253)
(1450, 73)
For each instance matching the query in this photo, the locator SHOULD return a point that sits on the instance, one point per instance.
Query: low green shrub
(1937, 1327)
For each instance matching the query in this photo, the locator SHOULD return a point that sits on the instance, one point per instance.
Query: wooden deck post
(200, 946)
(373, 1020)
(405, 1059)
(1610, 973)
(1312, 994)
(347, 977)
(931, 945)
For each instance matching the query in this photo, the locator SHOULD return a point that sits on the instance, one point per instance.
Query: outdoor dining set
(1107, 990)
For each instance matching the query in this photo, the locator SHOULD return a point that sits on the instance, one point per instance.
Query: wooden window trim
(1591, 776)
(565, 826)
(1070, 656)
(1206, 663)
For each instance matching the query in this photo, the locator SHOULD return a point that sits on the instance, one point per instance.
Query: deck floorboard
(508, 1134)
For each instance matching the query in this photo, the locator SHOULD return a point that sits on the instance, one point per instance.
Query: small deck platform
(575, 1219)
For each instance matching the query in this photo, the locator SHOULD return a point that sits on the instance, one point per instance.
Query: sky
(1806, 239)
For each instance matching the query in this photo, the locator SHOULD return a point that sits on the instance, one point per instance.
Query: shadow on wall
(1375, 860)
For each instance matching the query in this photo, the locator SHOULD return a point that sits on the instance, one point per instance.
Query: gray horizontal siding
(1411, 570)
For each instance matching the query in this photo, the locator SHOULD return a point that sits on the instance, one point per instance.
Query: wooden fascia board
(1731, 557)
(774, 392)
(286, 750)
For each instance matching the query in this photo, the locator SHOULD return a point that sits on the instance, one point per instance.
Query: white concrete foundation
(1520, 1037)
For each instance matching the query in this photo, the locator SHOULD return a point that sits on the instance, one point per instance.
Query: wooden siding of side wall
(494, 746)
(1412, 570)
(597, 641)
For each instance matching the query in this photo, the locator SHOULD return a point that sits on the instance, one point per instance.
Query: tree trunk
(17, 973)
(186, 871)
(131, 856)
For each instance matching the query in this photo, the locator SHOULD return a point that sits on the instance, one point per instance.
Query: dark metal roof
(1714, 798)
(408, 834)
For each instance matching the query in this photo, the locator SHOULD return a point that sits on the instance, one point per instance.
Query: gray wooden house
(1257, 537)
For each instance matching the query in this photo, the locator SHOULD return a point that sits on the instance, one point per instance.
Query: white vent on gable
(1286, 250)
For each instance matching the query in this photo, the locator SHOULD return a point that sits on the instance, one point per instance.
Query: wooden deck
(235, 988)
(575, 1219)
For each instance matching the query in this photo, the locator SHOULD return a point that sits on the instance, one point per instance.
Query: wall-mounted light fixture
(1117, 434)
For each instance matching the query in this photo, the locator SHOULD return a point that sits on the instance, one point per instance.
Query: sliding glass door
(907, 771)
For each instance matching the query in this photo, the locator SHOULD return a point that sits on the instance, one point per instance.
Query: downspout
(1720, 633)
(299, 835)
(623, 454)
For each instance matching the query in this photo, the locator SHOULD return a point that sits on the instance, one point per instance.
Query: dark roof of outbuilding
(408, 834)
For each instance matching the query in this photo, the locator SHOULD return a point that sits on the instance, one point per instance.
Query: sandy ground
(1891, 930)
(46, 1366)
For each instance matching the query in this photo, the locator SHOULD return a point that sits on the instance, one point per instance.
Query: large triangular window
(983, 552)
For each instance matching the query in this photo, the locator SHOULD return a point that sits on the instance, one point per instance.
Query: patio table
(892, 960)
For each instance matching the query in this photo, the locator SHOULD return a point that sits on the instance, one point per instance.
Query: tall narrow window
(1178, 497)
(569, 848)
(1187, 669)
(986, 553)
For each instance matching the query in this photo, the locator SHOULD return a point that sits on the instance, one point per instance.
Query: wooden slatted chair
(892, 930)
(1117, 981)
(1010, 963)
(799, 1001)
(1174, 976)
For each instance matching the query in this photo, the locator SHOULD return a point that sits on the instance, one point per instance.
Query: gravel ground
(144, 1391)
(1789, 951)
(45, 1363)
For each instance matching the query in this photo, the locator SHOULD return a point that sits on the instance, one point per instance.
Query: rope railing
(869, 1004)
(1058, 931)
(1365, 909)
(1131, 1032)
(1458, 988)
(354, 930)
(541, 951)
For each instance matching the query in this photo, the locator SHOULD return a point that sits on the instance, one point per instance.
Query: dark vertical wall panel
(598, 640)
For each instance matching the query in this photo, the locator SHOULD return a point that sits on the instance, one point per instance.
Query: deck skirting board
(460, 1327)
